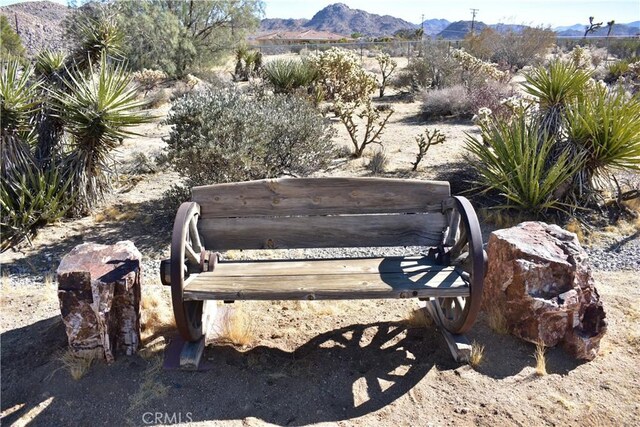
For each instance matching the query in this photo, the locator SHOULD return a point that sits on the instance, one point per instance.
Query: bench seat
(352, 278)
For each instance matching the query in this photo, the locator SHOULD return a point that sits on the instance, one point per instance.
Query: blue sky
(535, 12)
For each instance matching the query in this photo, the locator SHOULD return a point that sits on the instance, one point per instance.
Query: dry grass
(541, 360)
(115, 213)
(497, 320)
(564, 402)
(156, 313)
(418, 318)
(236, 327)
(477, 354)
(151, 387)
(76, 365)
(574, 226)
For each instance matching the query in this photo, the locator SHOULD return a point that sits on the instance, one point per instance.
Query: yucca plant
(287, 75)
(98, 37)
(17, 97)
(605, 127)
(555, 87)
(49, 63)
(30, 198)
(97, 108)
(51, 69)
(513, 159)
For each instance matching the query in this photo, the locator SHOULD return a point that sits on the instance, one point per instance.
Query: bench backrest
(321, 213)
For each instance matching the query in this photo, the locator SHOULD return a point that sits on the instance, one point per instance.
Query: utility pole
(422, 25)
(473, 20)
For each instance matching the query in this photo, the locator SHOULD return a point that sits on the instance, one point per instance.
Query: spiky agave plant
(29, 196)
(555, 86)
(97, 108)
(605, 128)
(513, 159)
(98, 37)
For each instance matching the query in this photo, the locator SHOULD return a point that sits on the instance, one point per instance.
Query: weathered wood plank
(458, 344)
(323, 231)
(191, 354)
(320, 196)
(399, 264)
(326, 286)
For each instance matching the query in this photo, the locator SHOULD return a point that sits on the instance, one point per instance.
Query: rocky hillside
(434, 26)
(457, 30)
(39, 24)
(341, 19)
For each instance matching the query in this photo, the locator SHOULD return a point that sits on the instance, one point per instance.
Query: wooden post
(191, 353)
(459, 345)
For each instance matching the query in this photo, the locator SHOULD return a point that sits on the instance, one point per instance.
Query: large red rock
(99, 294)
(539, 277)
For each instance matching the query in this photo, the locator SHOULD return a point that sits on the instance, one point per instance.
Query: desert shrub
(491, 94)
(625, 48)
(514, 49)
(227, 136)
(425, 140)
(616, 70)
(149, 79)
(290, 75)
(434, 68)
(449, 101)
(580, 57)
(341, 76)
(513, 159)
(378, 162)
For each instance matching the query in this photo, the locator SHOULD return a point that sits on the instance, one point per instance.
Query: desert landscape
(360, 363)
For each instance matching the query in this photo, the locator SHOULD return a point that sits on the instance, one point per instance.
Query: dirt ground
(329, 363)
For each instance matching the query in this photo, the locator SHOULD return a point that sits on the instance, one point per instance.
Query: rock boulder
(539, 278)
(99, 294)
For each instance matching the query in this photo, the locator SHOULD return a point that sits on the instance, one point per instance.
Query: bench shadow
(337, 375)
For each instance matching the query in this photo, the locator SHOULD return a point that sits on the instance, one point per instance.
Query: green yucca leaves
(513, 159)
(97, 109)
(557, 84)
(30, 198)
(606, 127)
(98, 37)
(49, 62)
(17, 97)
(287, 75)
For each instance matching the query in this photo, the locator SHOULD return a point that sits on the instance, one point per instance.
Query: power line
(473, 19)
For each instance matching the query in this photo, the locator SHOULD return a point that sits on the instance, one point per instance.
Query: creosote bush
(227, 136)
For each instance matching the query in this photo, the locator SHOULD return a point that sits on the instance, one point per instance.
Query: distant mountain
(575, 27)
(434, 26)
(278, 24)
(39, 24)
(459, 29)
(341, 19)
(635, 24)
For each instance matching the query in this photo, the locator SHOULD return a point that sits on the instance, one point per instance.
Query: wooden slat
(459, 345)
(435, 283)
(322, 231)
(399, 264)
(320, 196)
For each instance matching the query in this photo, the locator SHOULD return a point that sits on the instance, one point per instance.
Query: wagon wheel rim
(459, 313)
(185, 254)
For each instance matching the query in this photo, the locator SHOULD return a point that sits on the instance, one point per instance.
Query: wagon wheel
(459, 313)
(185, 260)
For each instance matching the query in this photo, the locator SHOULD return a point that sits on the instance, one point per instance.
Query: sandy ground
(347, 363)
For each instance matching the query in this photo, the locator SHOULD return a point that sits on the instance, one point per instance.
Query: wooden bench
(327, 213)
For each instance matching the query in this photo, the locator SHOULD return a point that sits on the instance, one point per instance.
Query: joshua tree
(591, 28)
